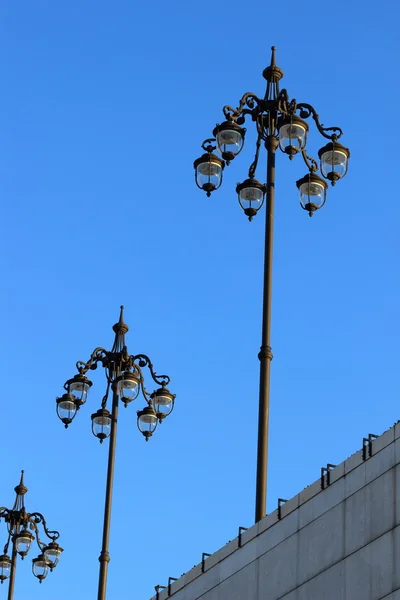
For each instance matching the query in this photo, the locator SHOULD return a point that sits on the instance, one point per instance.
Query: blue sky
(104, 106)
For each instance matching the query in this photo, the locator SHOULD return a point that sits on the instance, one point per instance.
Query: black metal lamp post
(124, 377)
(23, 530)
(279, 122)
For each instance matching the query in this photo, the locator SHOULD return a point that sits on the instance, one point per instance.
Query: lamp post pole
(104, 557)
(23, 530)
(124, 378)
(12, 576)
(279, 123)
(265, 354)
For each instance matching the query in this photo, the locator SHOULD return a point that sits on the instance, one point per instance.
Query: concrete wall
(339, 543)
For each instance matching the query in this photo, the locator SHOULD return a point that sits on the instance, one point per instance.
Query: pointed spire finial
(21, 489)
(121, 327)
(273, 50)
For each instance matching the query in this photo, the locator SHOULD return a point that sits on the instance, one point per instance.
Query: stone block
(226, 550)
(397, 430)
(201, 585)
(381, 504)
(337, 473)
(355, 533)
(268, 521)
(309, 492)
(397, 451)
(239, 559)
(352, 462)
(354, 480)
(320, 504)
(192, 574)
(383, 440)
(278, 533)
(328, 585)
(277, 570)
(249, 534)
(321, 543)
(290, 506)
(240, 586)
(369, 571)
(379, 463)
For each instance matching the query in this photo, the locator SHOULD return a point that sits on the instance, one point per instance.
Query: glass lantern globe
(101, 424)
(66, 408)
(251, 195)
(334, 161)
(292, 135)
(52, 553)
(230, 139)
(208, 170)
(147, 421)
(23, 541)
(79, 387)
(40, 567)
(163, 402)
(5, 567)
(312, 192)
(128, 385)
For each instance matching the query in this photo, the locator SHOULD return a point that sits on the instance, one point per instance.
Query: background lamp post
(23, 530)
(124, 376)
(279, 122)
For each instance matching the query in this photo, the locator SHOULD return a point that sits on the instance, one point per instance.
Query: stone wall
(337, 543)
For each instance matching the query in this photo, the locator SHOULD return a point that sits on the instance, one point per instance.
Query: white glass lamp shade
(147, 421)
(209, 169)
(101, 424)
(79, 387)
(66, 408)
(5, 567)
(128, 386)
(40, 567)
(251, 196)
(163, 402)
(293, 135)
(334, 161)
(230, 139)
(312, 192)
(52, 554)
(23, 542)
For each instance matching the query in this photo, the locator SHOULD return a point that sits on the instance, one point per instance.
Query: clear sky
(103, 108)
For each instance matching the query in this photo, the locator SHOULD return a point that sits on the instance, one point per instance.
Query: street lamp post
(124, 376)
(23, 530)
(279, 122)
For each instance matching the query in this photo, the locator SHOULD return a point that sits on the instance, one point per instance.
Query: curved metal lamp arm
(144, 361)
(310, 162)
(34, 519)
(98, 355)
(210, 145)
(307, 110)
(4, 512)
(253, 166)
(249, 99)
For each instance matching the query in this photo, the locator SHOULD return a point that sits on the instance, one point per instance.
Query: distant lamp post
(124, 377)
(23, 530)
(279, 123)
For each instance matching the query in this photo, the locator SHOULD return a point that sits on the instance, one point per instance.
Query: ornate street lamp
(124, 377)
(23, 530)
(280, 122)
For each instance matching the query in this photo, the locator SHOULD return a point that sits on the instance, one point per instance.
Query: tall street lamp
(124, 377)
(23, 530)
(279, 122)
